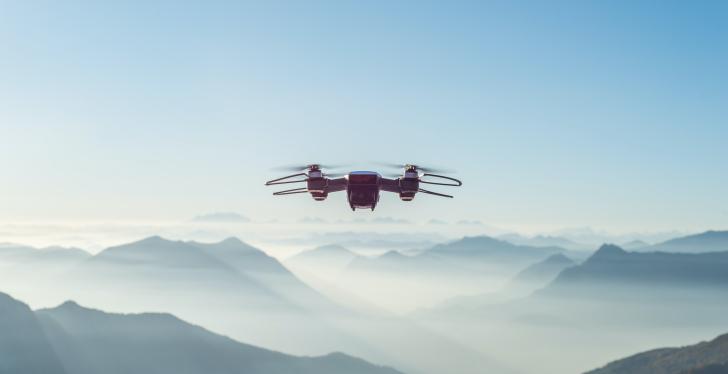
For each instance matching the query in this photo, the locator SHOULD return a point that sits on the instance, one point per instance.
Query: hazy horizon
(283, 239)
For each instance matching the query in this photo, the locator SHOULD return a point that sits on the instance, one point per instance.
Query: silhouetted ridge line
(72, 339)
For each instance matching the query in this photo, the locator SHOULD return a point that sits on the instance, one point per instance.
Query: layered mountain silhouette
(468, 255)
(613, 267)
(543, 241)
(702, 358)
(620, 287)
(634, 245)
(71, 339)
(539, 274)
(227, 286)
(230, 265)
(402, 282)
(528, 280)
(331, 259)
(237, 289)
(709, 241)
(13, 254)
(483, 253)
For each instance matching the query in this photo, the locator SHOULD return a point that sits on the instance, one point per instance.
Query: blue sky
(555, 114)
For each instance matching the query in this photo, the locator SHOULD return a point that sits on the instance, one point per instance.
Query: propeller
(292, 168)
(423, 169)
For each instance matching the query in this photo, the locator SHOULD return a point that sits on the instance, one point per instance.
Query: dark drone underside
(363, 187)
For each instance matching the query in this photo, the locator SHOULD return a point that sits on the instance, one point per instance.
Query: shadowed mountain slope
(702, 358)
(541, 273)
(24, 347)
(70, 339)
(91, 341)
(265, 270)
(228, 265)
(612, 266)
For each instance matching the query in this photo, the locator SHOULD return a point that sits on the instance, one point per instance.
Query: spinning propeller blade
(423, 169)
(298, 167)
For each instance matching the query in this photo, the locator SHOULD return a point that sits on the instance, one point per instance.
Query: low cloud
(317, 220)
(389, 220)
(469, 222)
(436, 221)
(221, 217)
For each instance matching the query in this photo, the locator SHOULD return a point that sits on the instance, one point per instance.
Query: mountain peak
(154, 239)
(70, 305)
(608, 251)
(330, 250)
(481, 238)
(558, 258)
(232, 240)
(392, 255)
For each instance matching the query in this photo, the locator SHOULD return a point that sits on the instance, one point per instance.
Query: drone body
(362, 187)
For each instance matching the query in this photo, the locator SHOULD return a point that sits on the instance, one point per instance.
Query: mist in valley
(467, 305)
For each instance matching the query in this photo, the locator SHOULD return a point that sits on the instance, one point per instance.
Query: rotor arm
(336, 184)
(389, 185)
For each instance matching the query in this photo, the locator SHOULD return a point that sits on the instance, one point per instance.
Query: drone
(363, 187)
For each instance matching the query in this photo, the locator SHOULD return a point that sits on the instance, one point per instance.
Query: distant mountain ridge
(705, 357)
(541, 273)
(332, 258)
(229, 263)
(543, 241)
(15, 253)
(709, 241)
(526, 281)
(487, 244)
(612, 265)
(71, 339)
(484, 253)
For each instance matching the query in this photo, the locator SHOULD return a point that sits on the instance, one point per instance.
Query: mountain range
(71, 339)
(237, 289)
(543, 241)
(615, 269)
(709, 241)
(14, 254)
(702, 358)
(401, 282)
